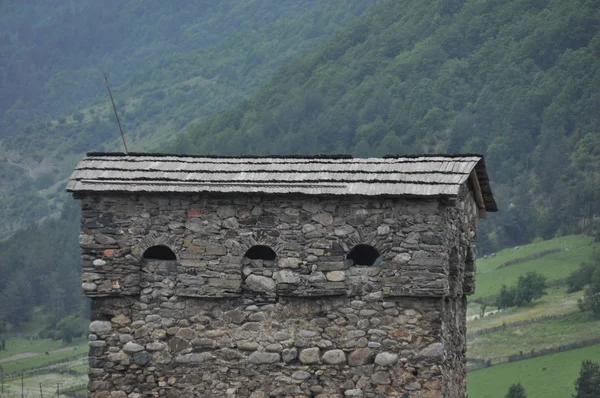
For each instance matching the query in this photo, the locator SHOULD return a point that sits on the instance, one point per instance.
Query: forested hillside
(40, 266)
(518, 81)
(170, 63)
(54, 52)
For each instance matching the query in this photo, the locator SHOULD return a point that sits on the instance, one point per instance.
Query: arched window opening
(159, 252)
(364, 255)
(261, 252)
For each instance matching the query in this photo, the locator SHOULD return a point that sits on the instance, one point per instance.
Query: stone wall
(463, 221)
(309, 323)
(238, 348)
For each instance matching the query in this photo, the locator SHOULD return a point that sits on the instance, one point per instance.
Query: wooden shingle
(427, 175)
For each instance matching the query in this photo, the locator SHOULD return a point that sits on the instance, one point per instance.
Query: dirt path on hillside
(25, 355)
(29, 171)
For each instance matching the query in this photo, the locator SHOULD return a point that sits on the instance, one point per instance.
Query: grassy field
(48, 382)
(497, 346)
(550, 376)
(556, 302)
(546, 376)
(57, 351)
(564, 242)
(554, 266)
(19, 346)
(72, 373)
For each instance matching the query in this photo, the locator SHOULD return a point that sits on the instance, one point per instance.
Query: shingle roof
(427, 175)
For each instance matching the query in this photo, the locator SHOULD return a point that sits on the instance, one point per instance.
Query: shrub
(587, 384)
(530, 286)
(516, 391)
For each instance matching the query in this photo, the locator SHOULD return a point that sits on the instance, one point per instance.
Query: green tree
(18, 298)
(506, 298)
(591, 297)
(587, 384)
(516, 391)
(581, 277)
(590, 302)
(69, 328)
(531, 286)
(482, 309)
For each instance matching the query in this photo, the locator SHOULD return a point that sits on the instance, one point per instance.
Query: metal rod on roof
(115, 109)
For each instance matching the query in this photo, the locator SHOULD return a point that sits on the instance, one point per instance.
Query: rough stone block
(259, 284)
(310, 355)
(263, 357)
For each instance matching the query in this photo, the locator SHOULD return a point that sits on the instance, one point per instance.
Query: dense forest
(40, 266)
(518, 81)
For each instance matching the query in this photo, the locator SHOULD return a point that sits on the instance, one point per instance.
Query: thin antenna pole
(115, 109)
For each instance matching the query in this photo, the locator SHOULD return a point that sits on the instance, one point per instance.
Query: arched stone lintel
(261, 239)
(155, 240)
(371, 239)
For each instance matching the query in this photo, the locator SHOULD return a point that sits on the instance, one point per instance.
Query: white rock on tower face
(259, 283)
(386, 359)
(100, 327)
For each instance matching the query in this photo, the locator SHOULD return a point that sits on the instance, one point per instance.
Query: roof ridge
(295, 156)
(322, 156)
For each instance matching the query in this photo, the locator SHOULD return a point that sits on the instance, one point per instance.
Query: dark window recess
(261, 252)
(364, 255)
(159, 252)
(470, 261)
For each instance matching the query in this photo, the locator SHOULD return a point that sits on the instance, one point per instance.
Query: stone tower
(278, 276)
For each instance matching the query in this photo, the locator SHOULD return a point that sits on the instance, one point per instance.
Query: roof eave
(485, 188)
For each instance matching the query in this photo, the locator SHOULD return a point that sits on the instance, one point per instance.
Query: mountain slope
(515, 80)
(54, 52)
(170, 64)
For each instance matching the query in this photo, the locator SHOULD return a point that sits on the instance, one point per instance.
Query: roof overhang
(416, 176)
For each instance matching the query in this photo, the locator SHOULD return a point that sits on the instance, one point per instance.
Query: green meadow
(512, 340)
(570, 242)
(550, 376)
(555, 266)
(57, 351)
(558, 302)
(546, 376)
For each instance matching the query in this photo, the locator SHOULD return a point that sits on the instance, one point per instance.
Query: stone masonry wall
(310, 323)
(463, 221)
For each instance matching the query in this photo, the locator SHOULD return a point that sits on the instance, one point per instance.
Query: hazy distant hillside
(518, 81)
(170, 63)
(54, 52)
